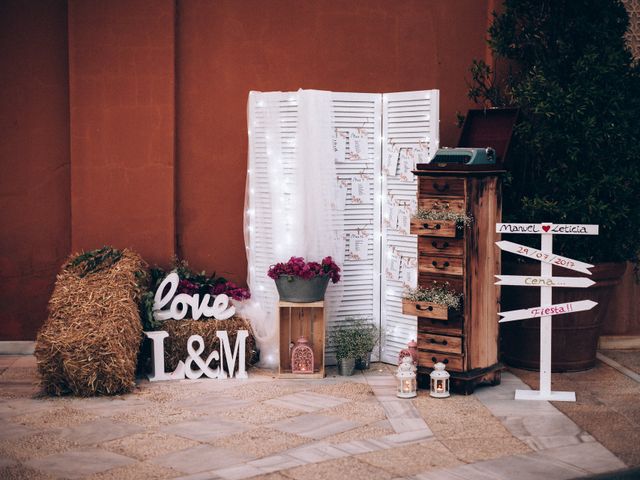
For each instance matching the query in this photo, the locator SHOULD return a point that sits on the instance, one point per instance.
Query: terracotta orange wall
(125, 121)
(121, 69)
(34, 160)
(227, 48)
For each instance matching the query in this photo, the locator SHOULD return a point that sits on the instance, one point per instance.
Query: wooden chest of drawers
(466, 257)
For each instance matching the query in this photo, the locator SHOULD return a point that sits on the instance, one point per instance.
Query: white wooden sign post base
(546, 282)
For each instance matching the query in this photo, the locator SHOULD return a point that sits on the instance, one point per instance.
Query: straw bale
(175, 346)
(90, 342)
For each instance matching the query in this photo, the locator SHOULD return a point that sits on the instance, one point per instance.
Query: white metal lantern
(439, 381)
(406, 378)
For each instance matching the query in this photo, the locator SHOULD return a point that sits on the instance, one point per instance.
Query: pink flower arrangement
(228, 288)
(297, 267)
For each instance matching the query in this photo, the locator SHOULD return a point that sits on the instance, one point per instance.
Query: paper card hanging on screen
(340, 201)
(409, 272)
(358, 150)
(340, 146)
(393, 265)
(406, 164)
(360, 190)
(391, 160)
(357, 247)
(404, 219)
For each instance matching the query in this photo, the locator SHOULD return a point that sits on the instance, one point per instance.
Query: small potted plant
(354, 343)
(433, 301)
(367, 338)
(301, 282)
(346, 341)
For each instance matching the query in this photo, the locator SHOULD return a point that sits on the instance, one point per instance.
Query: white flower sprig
(459, 218)
(439, 293)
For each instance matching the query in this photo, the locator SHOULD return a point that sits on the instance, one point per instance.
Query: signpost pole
(545, 322)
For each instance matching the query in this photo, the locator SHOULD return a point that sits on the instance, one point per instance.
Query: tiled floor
(338, 427)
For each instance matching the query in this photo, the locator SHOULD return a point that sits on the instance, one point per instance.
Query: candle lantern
(439, 381)
(406, 378)
(302, 357)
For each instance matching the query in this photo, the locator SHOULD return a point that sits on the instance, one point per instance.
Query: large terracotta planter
(575, 336)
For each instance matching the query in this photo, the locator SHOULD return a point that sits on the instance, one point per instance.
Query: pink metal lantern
(410, 351)
(302, 357)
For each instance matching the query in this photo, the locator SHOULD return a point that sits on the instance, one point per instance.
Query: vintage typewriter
(466, 156)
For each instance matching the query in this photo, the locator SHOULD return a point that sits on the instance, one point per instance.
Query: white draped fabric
(291, 182)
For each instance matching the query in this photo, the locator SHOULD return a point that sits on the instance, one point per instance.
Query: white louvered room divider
(398, 130)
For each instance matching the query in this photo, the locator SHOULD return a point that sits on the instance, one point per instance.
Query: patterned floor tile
(146, 445)
(79, 463)
(98, 431)
(315, 426)
(202, 458)
(205, 429)
(341, 468)
(306, 401)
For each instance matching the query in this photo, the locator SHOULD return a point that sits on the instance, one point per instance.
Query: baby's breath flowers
(459, 218)
(440, 293)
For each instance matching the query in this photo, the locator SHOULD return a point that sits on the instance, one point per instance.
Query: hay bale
(89, 344)
(175, 346)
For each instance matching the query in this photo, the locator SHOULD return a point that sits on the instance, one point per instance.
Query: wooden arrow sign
(551, 258)
(557, 309)
(534, 281)
(550, 228)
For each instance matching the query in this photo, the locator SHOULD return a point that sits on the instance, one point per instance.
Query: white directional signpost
(546, 282)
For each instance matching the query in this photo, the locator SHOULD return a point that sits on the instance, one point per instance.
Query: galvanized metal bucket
(300, 290)
(364, 363)
(346, 366)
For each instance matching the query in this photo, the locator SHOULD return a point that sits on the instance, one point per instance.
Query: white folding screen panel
(272, 130)
(377, 141)
(410, 123)
(356, 131)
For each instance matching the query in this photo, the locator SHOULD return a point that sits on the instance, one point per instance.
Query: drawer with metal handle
(440, 343)
(441, 265)
(440, 186)
(441, 246)
(452, 326)
(426, 280)
(425, 309)
(453, 205)
(434, 228)
(454, 363)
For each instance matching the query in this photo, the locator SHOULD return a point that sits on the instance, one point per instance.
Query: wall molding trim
(619, 342)
(17, 347)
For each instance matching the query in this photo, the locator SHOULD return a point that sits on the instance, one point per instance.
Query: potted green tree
(573, 157)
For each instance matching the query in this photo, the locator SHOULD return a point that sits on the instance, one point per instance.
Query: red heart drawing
(546, 227)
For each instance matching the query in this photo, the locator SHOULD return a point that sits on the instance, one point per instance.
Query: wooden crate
(301, 319)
